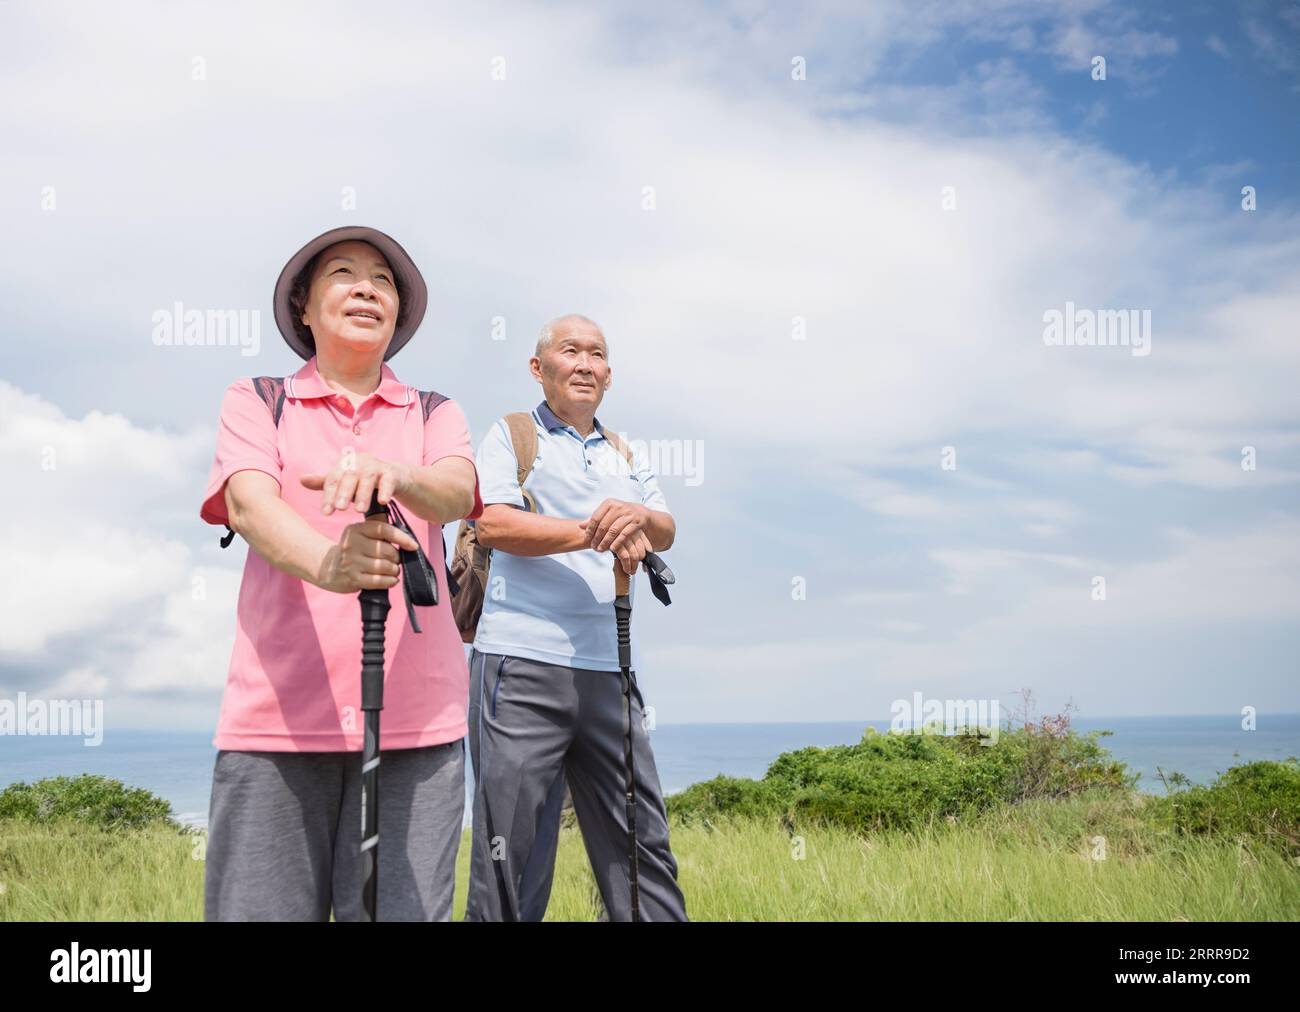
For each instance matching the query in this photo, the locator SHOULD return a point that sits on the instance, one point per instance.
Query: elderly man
(546, 700)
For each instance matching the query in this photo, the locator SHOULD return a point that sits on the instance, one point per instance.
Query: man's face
(353, 298)
(575, 366)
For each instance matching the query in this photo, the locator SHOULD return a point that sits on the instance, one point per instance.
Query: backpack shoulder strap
(271, 390)
(617, 442)
(429, 399)
(523, 436)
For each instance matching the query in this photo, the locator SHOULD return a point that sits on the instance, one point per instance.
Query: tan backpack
(469, 559)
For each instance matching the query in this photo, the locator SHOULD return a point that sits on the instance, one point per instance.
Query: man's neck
(584, 423)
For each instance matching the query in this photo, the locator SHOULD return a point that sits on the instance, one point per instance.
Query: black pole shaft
(374, 615)
(623, 613)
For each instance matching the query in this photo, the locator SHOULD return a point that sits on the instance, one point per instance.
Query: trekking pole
(374, 614)
(660, 574)
(623, 612)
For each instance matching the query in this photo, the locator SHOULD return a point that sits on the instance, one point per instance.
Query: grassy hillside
(1041, 825)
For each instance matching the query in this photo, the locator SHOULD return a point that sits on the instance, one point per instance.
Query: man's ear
(535, 367)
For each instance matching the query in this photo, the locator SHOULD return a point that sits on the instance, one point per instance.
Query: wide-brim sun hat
(412, 293)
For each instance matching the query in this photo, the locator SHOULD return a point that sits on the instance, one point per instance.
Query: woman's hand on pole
(352, 480)
(365, 558)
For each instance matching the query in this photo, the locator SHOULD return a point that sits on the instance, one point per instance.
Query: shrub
(899, 780)
(90, 799)
(1258, 802)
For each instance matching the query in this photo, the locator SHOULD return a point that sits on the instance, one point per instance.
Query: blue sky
(775, 200)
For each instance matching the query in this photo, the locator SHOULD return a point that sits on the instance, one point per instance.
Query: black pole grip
(623, 614)
(374, 615)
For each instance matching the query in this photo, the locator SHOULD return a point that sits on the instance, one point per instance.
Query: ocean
(178, 765)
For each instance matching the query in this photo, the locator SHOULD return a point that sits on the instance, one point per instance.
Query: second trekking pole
(623, 612)
(660, 575)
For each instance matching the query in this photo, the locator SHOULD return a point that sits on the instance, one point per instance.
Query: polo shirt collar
(307, 382)
(549, 421)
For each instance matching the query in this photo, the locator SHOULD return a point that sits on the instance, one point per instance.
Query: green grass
(73, 872)
(1038, 860)
(1039, 824)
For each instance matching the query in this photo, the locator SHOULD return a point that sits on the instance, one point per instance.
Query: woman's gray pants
(284, 834)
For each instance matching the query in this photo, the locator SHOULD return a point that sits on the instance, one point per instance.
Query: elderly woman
(296, 463)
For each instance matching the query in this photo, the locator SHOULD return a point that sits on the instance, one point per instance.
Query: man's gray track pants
(530, 722)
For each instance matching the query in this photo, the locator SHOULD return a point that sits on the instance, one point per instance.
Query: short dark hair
(298, 302)
(301, 289)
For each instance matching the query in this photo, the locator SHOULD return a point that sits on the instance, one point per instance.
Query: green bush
(90, 799)
(900, 780)
(1258, 802)
(732, 795)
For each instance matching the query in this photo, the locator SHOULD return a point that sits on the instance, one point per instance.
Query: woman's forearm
(440, 493)
(276, 532)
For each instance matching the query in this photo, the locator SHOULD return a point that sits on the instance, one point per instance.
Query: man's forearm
(661, 529)
(522, 533)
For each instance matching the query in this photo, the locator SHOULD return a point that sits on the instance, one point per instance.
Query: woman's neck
(356, 376)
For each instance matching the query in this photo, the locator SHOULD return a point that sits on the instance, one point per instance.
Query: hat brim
(413, 292)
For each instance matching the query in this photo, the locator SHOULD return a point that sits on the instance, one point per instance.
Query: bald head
(565, 324)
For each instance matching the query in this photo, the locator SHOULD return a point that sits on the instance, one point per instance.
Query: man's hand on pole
(614, 523)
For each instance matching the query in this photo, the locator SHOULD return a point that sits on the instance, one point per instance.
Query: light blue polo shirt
(559, 609)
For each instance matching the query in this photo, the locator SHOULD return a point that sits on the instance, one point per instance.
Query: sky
(825, 244)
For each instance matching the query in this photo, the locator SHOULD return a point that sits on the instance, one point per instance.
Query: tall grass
(1086, 858)
(1040, 825)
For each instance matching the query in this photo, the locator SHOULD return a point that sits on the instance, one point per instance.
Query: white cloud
(891, 498)
(1028, 620)
(84, 682)
(1217, 46)
(522, 197)
(922, 324)
(99, 570)
(1275, 51)
(91, 578)
(1249, 574)
(971, 569)
(189, 652)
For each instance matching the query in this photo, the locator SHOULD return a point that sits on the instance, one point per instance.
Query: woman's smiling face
(352, 299)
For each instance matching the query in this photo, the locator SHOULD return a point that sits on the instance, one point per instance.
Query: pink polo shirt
(294, 683)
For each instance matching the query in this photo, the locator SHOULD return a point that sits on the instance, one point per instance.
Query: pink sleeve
(246, 440)
(446, 434)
